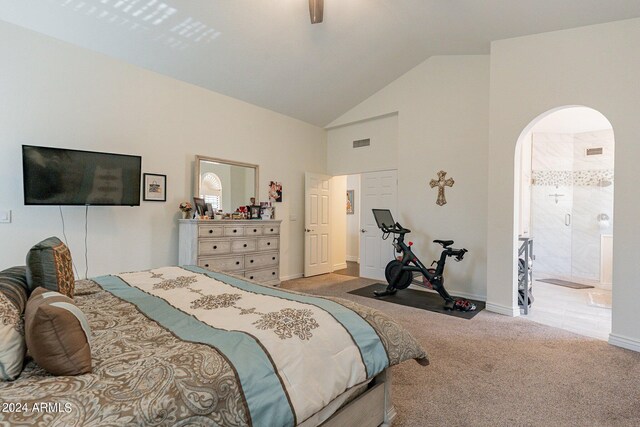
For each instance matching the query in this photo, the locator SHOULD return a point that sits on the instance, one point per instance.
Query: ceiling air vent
(362, 143)
(594, 151)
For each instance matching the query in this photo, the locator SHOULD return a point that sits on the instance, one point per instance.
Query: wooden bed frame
(371, 409)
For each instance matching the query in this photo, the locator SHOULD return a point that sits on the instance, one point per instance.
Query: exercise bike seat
(444, 243)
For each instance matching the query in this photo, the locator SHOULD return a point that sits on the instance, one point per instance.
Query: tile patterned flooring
(582, 311)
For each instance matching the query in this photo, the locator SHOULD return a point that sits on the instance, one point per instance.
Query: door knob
(307, 230)
(363, 230)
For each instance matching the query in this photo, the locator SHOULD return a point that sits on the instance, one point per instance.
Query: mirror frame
(199, 158)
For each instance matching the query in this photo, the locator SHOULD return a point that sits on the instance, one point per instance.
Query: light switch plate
(5, 216)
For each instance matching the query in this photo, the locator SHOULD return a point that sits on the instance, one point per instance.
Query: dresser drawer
(213, 247)
(255, 230)
(271, 229)
(262, 276)
(261, 260)
(210, 231)
(236, 230)
(224, 264)
(243, 245)
(266, 243)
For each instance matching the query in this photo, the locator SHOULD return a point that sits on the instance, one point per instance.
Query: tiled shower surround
(570, 195)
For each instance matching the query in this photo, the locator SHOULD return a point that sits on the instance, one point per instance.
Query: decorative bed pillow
(57, 333)
(49, 265)
(13, 299)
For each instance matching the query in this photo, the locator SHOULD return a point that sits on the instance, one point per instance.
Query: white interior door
(379, 191)
(317, 237)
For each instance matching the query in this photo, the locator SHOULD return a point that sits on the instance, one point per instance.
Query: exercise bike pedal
(385, 293)
(449, 305)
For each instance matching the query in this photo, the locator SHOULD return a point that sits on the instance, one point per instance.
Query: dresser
(249, 248)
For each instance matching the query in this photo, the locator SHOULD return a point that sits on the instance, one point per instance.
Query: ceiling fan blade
(316, 9)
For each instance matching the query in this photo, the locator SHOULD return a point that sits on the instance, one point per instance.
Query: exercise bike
(399, 271)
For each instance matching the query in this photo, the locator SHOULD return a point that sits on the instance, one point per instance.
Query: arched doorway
(564, 170)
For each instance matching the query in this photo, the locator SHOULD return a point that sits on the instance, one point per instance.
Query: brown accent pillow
(49, 265)
(57, 333)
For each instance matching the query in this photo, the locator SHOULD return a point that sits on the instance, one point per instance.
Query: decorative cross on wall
(441, 183)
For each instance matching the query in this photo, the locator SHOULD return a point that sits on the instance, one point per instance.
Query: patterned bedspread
(186, 346)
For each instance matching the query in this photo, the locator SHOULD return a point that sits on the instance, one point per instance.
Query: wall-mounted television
(56, 176)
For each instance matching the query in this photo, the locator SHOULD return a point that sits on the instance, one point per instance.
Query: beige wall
(442, 108)
(55, 94)
(382, 154)
(598, 67)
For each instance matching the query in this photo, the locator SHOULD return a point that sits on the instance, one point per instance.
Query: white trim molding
(502, 309)
(624, 342)
(353, 258)
(340, 266)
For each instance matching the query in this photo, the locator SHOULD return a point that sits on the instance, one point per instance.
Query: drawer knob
(273, 273)
(210, 231)
(251, 261)
(245, 245)
(268, 243)
(237, 262)
(206, 265)
(255, 230)
(235, 231)
(272, 229)
(251, 277)
(273, 258)
(215, 247)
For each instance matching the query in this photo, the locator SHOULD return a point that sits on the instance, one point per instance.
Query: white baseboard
(502, 309)
(353, 258)
(624, 342)
(340, 266)
(291, 277)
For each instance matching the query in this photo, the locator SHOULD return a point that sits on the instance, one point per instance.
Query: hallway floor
(582, 311)
(353, 269)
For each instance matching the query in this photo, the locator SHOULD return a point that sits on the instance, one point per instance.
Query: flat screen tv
(56, 176)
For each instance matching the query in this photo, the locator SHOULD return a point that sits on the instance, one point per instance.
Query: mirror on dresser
(225, 184)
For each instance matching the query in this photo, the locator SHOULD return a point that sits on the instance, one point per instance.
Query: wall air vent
(362, 143)
(594, 151)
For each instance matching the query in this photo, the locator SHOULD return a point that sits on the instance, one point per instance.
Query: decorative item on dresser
(246, 248)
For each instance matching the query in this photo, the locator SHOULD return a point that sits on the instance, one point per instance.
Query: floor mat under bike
(430, 301)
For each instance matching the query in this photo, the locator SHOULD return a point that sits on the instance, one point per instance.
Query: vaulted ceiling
(267, 53)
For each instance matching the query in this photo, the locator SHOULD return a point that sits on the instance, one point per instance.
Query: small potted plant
(186, 209)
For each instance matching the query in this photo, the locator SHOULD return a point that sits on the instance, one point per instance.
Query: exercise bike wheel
(405, 278)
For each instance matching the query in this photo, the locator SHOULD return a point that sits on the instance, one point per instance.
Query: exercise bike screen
(383, 216)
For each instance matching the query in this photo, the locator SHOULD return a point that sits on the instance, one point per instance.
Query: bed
(188, 346)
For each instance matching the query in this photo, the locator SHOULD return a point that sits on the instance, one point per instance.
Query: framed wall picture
(275, 191)
(350, 202)
(154, 187)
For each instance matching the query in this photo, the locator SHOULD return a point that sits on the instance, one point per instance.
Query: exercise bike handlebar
(395, 229)
(458, 254)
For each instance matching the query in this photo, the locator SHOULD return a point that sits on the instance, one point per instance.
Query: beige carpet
(496, 370)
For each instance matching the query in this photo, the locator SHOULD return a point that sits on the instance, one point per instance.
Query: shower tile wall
(584, 185)
(592, 196)
(552, 164)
